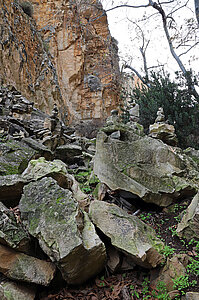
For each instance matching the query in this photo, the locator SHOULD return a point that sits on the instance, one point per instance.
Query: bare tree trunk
(174, 54)
(197, 10)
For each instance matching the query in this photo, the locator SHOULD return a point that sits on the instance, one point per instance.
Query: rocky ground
(136, 284)
(129, 231)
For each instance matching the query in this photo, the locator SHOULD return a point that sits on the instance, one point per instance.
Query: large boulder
(39, 168)
(65, 234)
(144, 166)
(19, 266)
(188, 228)
(11, 231)
(15, 156)
(127, 233)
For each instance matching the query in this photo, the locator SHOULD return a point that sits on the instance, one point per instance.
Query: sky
(128, 34)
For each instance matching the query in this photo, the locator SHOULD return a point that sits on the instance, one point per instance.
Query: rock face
(71, 61)
(24, 62)
(11, 232)
(14, 291)
(188, 228)
(174, 268)
(85, 56)
(144, 166)
(52, 216)
(19, 266)
(127, 233)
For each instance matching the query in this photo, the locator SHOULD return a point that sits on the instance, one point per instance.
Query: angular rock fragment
(192, 296)
(56, 169)
(68, 153)
(188, 228)
(127, 233)
(39, 168)
(10, 290)
(14, 157)
(11, 231)
(67, 236)
(11, 188)
(19, 266)
(174, 268)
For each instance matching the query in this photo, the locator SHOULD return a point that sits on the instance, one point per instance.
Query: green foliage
(167, 251)
(161, 291)
(27, 8)
(183, 282)
(180, 107)
(193, 267)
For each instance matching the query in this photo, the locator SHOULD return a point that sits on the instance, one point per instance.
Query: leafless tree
(168, 23)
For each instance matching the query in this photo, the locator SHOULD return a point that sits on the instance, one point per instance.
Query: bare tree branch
(126, 5)
(175, 56)
(188, 49)
(138, 74)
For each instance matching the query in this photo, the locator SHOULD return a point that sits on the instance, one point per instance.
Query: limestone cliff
(71, 59)
(24, 63)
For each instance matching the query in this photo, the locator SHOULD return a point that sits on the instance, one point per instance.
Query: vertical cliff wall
(24, 63)
(64, 53)
(85, 55)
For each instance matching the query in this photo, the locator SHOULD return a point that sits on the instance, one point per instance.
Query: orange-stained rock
(85, 56)
(23, 61)
(64, 53)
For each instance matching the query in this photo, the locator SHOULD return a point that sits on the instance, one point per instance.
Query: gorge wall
(63, 54)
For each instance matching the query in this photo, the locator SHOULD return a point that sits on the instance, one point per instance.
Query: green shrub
(180, 107)
(27, 8)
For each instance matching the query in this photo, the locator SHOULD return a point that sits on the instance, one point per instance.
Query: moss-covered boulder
(56, 169)
(143, 166)
(14, 157)
(188, 228)
(65, 234)
(39, 168)
(11, 231)
(127, 233)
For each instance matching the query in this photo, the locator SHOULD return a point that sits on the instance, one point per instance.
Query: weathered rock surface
(68, 153)
(85, 56)
(127, 233)
(174, 268)
(39, 168)
(11, 188)
(11, 231)
(55, 169)
(143, 166)
(188, 228)
(10, 290)
(24, 61)
(19, 266)
(14, 156)
(75, 64)
(51, 214)
(164, 132)
(192, 296)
